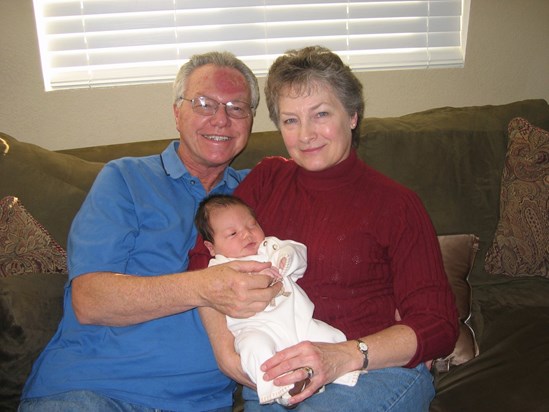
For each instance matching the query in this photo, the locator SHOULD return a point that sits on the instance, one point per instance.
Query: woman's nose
(306, 132)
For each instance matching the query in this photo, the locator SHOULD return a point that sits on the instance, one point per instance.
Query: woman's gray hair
(221, 59)
(301, 70)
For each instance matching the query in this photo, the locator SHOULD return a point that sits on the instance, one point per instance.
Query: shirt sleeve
(423, 295)
(295, 255)
(103, 232)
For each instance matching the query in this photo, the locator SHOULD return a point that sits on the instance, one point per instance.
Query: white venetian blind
(94, 43)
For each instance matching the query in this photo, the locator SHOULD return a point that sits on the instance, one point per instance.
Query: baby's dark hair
(210, 203)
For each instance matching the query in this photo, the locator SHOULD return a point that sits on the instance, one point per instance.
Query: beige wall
(507, 60)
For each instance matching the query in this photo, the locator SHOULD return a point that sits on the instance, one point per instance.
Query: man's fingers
(257, 295)
(251, 266)
(243, 292)
(259, 281)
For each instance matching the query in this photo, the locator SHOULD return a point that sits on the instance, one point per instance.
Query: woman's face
(315, 127)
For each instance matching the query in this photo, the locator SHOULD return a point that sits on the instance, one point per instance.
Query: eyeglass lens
(208, 107)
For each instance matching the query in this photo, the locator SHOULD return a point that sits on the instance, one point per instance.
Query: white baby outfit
(286, 322)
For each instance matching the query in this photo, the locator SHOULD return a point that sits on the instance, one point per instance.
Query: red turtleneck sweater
(371, 248)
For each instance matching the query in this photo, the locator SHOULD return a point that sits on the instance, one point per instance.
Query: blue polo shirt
(137, 219)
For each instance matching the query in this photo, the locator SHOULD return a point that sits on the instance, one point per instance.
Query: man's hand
(237, 289)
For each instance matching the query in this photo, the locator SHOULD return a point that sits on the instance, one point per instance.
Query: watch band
(363, 348)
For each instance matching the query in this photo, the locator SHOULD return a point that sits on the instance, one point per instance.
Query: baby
(230, 232)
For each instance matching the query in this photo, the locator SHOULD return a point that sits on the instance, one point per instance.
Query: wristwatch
(363, 348)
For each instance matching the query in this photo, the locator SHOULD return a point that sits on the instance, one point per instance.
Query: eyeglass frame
(228, 104)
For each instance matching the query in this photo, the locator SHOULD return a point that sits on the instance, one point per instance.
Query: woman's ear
(354, 120)
(210, 247)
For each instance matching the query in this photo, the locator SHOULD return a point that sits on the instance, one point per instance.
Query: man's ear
(176, 110)
(210, 247)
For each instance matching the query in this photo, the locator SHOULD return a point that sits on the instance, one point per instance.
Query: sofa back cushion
(51, 185)
(453, 158)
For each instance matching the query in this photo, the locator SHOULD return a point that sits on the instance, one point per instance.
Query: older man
(131, 337)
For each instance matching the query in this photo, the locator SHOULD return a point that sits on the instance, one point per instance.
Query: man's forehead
(224, 79)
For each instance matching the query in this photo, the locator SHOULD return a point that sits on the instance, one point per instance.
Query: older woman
(375, 269)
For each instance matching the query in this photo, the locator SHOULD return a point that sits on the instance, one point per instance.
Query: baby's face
(236, 232)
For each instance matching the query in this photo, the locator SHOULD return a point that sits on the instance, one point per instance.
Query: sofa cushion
(31, 306)
(510, 375)
(458, 256)
(51, 185)
(25, 246)
(520, 245)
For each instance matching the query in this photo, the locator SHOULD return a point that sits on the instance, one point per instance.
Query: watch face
(363, 348)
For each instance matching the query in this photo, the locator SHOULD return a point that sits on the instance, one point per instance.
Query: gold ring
(310, 372)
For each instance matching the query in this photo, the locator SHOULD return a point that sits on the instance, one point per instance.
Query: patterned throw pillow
(521, 243)
(25, 246)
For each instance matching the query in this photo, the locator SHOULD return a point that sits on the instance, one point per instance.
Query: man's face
(212, 141)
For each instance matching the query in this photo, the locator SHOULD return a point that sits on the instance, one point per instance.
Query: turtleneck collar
(336, 176)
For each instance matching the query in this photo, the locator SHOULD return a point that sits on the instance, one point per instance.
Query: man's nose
(220, 117)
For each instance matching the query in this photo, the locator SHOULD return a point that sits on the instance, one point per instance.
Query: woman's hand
(328, 362)
(390, 347)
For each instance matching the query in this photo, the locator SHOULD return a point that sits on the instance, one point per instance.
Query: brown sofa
(452, 157)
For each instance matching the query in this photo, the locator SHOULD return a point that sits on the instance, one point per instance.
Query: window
(94, 43)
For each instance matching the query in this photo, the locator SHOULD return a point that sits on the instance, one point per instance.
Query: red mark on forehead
(221, 83)
(229, 80)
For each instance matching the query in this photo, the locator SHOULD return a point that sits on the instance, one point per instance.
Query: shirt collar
(174, 167)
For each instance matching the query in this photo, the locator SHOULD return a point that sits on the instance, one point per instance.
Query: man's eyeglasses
(206, 106)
